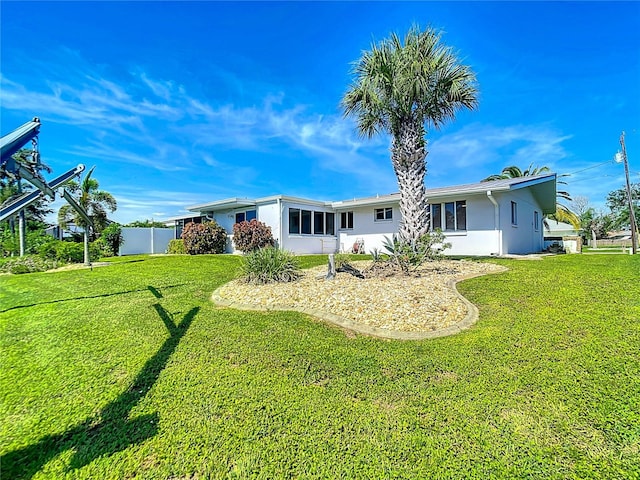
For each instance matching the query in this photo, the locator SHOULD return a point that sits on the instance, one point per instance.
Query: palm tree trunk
(408, 158)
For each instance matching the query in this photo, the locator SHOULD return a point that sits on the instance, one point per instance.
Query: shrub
(250, 236)
(69, 252)
(407, 256)
(269, 264)
(341, 259)
(201, 238)
(111, 239)
(27, 264)
(176, 247)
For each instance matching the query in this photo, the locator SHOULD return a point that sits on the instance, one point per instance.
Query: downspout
(279, 203)
(496, 220)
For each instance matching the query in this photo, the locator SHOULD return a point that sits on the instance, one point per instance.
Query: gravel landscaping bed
(426, 302)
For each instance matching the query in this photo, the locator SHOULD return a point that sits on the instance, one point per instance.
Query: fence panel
(145, 240)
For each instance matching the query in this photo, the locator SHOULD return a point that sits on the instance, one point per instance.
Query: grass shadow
(112, 430)
(153, 290)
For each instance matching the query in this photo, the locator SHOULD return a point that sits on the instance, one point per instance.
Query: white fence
(145, 240)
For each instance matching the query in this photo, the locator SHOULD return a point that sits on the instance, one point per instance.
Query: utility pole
(632, 215)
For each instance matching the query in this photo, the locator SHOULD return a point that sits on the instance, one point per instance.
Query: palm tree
(400, 88)
(94, 201)
(563, 213)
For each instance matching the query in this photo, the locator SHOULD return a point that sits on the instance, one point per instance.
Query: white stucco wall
(304, 243)
(366, 228)
(269, 214)
(523, 237)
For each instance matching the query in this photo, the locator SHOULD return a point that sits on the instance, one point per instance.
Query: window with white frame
(536, 220)
(248, 216)
(346, 220)
(383, 214)
(449, 216)
(308, 222)
(514, 213)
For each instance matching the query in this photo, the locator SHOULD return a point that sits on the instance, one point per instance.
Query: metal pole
(632, 215)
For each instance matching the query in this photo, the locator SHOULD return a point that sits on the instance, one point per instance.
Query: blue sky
(179, 103)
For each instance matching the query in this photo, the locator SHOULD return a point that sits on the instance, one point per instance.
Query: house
(556, 232)
(488, 218)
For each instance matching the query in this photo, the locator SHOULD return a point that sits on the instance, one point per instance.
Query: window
(346, 220)
(248, 216)
(306, 222)
(452, 214)
(461, 215)
(536, 220)
(318, 223)
(436, 216)
(514, 213)
(383, 214)
(294, 220)
(330, 223)
(302, 221)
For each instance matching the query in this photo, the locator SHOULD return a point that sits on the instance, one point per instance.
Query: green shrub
(69, 252)
(27, 264)
(111, 239)
(270, 264)
(341, 259)
(176, 247)
(202, 238)
(252, 235)
(407, 256)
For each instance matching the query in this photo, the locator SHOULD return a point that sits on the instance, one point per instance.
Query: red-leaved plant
(201, 238)
(250, 236)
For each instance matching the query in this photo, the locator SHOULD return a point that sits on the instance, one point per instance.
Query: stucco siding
(306, 243)
(521, 237)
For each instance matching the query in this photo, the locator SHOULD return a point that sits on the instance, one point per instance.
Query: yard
(129, 371)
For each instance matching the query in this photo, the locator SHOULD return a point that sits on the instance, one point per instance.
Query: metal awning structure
(9, 145)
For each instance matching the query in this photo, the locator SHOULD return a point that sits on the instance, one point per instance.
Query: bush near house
(176, 247)
(252, 235)
(204, 238)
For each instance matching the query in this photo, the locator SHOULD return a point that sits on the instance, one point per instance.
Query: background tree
(401, 87)
(563, 213)
(618, 203)
(34, 214)
(95, 202)
(146, 224)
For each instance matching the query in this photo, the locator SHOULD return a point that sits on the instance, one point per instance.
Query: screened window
(308, 222)
(330, 223)
(294, 220)
(436, 216)
(514, 213)
(318, 223)
(461, 215)
(451, 215)
(536, 220)
(346, 220)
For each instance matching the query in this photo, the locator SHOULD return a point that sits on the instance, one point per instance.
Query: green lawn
(128, 371)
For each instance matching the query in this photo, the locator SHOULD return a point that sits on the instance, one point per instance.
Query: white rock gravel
(424, 303)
